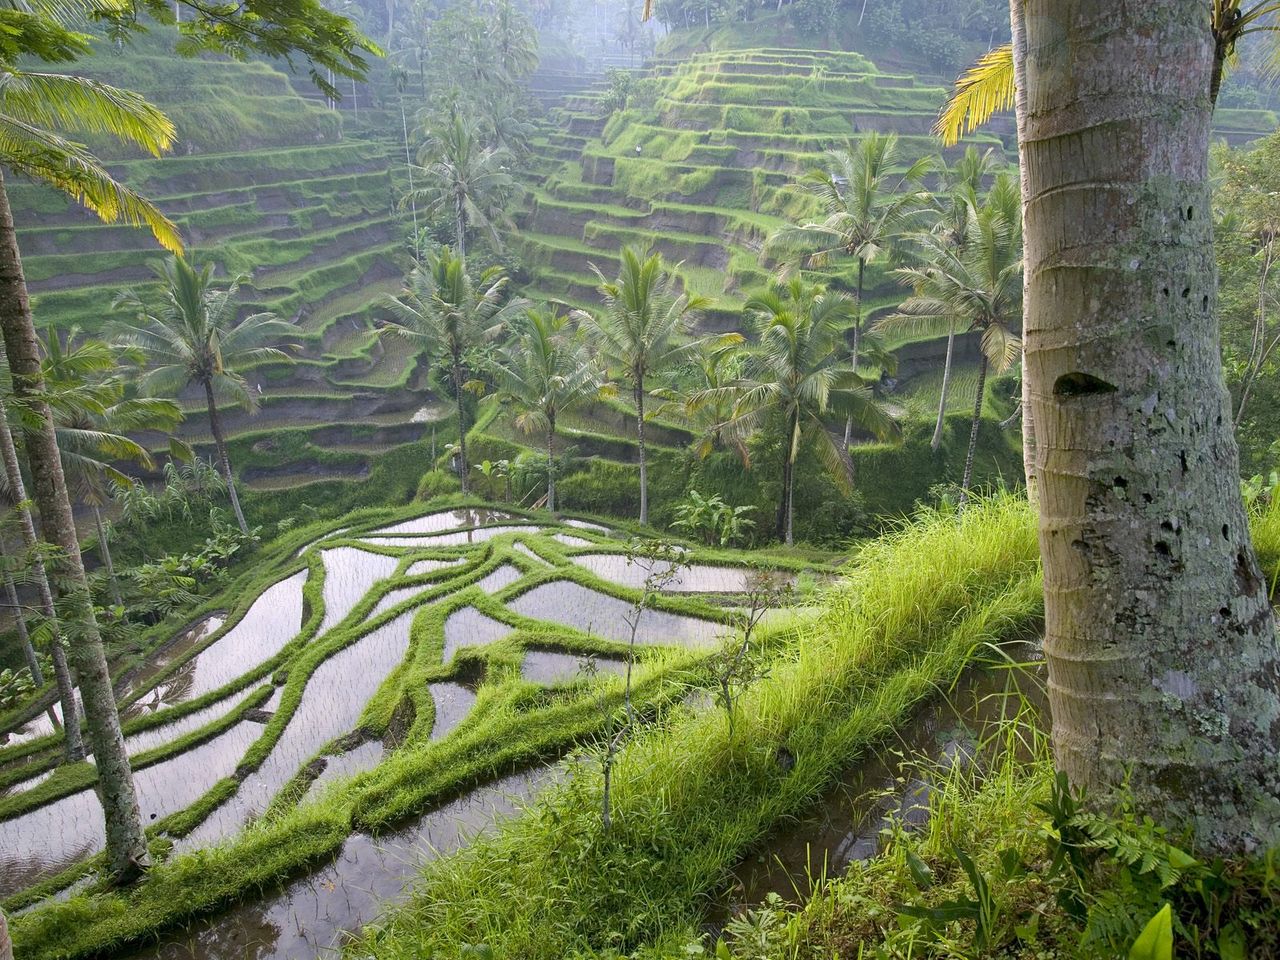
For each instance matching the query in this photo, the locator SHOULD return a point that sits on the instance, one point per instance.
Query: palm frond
(984, 90)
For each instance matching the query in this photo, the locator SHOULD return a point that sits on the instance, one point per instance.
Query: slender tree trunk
(465, 471)
(973, 434)
(551, 464)
(857, 345)
(1259, 349)
(644, 466)
(460, 225)
(936, 442)
(73, 747)
(126, 845)
(1159, 636)
(408, 164)
(791, 505)
(780, 518)
(20, 625)
(104, 551)
(220, 442)
(1017, 21)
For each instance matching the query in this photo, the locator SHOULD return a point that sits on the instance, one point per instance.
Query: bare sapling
(661, 561)
(735, 669)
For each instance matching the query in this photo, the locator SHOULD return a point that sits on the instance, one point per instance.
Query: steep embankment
(266, 180)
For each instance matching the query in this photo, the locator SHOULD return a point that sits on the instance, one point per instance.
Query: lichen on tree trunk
(1161, 645)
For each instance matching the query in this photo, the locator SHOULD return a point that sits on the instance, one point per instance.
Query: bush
(437, 483)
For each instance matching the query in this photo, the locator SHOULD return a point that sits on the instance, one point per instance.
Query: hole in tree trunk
(1078, 384)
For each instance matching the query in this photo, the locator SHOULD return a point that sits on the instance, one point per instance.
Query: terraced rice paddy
(369, 648)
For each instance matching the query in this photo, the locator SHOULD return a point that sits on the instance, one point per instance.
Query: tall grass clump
(692, 793)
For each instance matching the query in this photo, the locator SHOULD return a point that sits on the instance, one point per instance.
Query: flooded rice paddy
(323, 688)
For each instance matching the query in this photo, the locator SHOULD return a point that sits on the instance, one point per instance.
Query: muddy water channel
(312, 916)
(845, 825)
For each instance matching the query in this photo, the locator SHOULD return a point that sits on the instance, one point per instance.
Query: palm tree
(975, 286)
(869, 202)
(93, 418)
(796, 376)
(640, 331)
(36, 110)
(443, 312)
(545, 370)
(960, 187)
(701, 401)
(462, 177)
(193, 338)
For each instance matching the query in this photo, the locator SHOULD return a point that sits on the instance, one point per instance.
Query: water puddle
(503, 576)
(420, 567)
(682, 578)
(332, 701)
(571, 541)
(396, 597)
(469, 627)
(348, 575)
(160, 661)
(357, 760)
(457, 538)
(844, 825)
(528, 552)
(167, 733)
(314, 915)
(446, 520)
(274, 619)
(549, 667)
(587, 525)
(454, 703)
(597, 613)
(41, 725)
(47, 840)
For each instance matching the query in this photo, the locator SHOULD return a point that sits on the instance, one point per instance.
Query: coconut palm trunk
(6, 945)
(551, 462)
(644, 465)
(125, 843)
(465, 470)
(857, 344)
(224, 461)
(73, 747)
(1159, 634)
(936, 442)
(104, 550)
(20, 625)
(967, 480)
(1017, 22)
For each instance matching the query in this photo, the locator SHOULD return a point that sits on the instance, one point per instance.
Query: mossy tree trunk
(73, 747)
(20, 625)
(126, 845)
(1164, 672)
(224, 460)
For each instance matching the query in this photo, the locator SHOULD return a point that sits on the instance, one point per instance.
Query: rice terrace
(648, 480)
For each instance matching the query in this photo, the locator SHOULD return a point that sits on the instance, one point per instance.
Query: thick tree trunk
(967, 478)
(936, 442)
(1161, 645)
(551, 464)
(1017, 21)
(465, 468)
(220, 442)
(104, 551)
(6, 945)
(644, 466)
(20, 625)
(73, 747)
(126, 845)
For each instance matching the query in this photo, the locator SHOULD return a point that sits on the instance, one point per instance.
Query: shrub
(437, 483)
